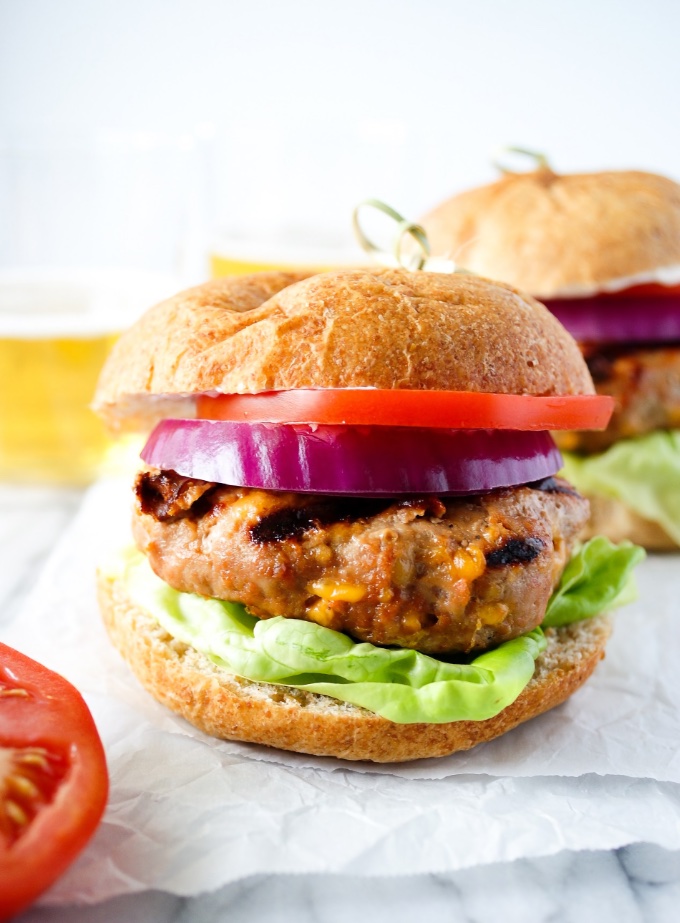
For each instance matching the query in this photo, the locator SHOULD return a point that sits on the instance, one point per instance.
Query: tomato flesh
(647, 288)
(433, 409)
(53, 778)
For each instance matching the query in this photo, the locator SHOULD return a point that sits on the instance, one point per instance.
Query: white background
(133, 132)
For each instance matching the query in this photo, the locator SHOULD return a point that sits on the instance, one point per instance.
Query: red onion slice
(622, 319)
(375, 461)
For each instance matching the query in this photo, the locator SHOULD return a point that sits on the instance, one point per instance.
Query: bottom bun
(618, 522)
(226, 706)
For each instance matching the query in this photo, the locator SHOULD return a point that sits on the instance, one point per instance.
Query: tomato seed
(23, 786)
(16, 813)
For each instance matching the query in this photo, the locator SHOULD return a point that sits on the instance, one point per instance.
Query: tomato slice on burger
(435, 409)
(53, 778)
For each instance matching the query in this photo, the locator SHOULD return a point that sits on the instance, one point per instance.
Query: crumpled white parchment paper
(189, 813)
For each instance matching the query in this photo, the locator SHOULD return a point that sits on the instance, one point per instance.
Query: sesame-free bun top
(345, 329)
(555, 235)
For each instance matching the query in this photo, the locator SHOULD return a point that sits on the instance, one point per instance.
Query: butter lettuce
(402, 685)
(598, 578)
(643, 473)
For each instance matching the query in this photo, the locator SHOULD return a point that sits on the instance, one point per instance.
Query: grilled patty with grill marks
(435, 574)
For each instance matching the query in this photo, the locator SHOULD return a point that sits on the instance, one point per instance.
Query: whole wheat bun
(223, 705)
(131, 391)
(555, 235)
(344, 329)
(619, 523)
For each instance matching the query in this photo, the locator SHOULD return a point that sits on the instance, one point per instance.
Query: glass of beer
(234, 256)
(56, 330)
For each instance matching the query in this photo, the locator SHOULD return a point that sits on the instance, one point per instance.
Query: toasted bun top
(562, 235)
(346, 329)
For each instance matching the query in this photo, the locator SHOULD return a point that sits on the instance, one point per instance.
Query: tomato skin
(647, 288)
(433, 409)
(49, 716)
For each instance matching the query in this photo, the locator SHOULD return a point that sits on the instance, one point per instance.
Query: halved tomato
(432, 409)
(53, 778)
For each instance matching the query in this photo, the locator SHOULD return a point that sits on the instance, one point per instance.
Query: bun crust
(353, 328)
(612, 518)
(153, 357)
(223, 705)
(551, 234)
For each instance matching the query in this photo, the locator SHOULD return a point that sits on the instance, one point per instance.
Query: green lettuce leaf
(402, 685)
(643, 473)
(598, 578)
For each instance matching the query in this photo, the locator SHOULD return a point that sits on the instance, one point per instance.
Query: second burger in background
(602, 251)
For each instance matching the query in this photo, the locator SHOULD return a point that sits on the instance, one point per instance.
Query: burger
(349, 535)
(602, 251)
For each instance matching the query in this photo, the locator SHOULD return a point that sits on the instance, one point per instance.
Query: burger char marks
(168, 496)
(554, 486)
(292, 522)
(515, 551)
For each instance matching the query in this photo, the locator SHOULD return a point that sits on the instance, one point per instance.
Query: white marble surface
(636, 883)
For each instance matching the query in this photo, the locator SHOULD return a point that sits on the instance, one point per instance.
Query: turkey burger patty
(437, 575)
(644, 380)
